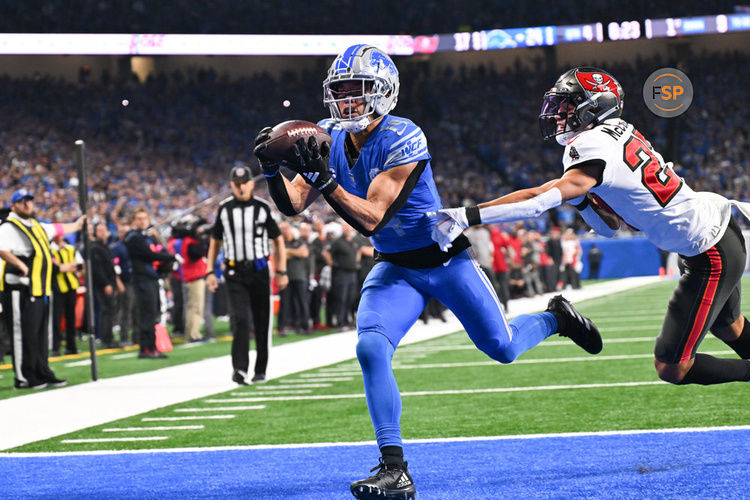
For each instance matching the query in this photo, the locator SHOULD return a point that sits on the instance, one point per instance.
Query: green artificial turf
(629, 322)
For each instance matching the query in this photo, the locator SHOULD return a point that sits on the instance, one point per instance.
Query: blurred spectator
(141, 247)
(434, 309)
(25, 280)
(554, 250)
(295, 299)
(595, 261)
(365, 262)
(176, 279)
(531, 253)
(105, 283)
(193, 269)
(343, 256)
(319, 243)
(64, 295)
(517, 281)
(571, 261)
(125, 301)
(174, 162)
(500, 263)
(484, 250)
(415, 18)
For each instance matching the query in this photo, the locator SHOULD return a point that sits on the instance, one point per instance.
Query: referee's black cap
(240, 174)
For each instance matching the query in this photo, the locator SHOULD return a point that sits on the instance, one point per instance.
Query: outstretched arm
(519, 205)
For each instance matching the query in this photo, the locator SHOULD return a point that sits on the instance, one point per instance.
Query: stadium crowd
(170, 146)
(326, 16)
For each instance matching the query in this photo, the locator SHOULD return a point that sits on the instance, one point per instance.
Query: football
(285, 134)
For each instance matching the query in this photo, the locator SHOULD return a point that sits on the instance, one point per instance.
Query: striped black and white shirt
(246, 228)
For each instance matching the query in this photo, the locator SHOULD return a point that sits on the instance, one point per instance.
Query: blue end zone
(669, 465)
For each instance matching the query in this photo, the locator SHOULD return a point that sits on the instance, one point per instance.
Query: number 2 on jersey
(659, 179)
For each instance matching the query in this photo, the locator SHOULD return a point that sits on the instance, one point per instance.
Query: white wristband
(527, 209)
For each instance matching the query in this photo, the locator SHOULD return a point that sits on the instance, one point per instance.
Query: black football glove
(312, 164)
(267, 166)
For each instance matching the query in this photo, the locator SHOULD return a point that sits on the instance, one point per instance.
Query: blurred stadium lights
(401, 45)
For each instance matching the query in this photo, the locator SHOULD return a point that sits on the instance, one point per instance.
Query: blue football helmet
(378, 76)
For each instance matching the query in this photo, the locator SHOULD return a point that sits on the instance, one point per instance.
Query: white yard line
(327, 379)
(158, 428)
(439, 393)
(95, 403)
(84, 362)
(418, 349)
(114, 440)
(222, 408)
(125, 355)
(303, 384)
(575, 359)
(266, 393)
(189, 417)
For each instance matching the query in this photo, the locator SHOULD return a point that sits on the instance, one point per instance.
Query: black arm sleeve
(217, 232)
(277, 190)
(272, 228)
(397, 204)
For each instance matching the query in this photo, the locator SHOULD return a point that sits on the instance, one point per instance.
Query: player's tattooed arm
(388, 192)
(519, 205)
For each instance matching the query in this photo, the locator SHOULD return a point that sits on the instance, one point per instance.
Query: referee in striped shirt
(247, 231)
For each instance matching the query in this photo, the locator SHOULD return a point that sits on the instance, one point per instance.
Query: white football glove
(449, 224)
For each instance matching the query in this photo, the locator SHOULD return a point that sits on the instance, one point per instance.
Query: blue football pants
(393, 298)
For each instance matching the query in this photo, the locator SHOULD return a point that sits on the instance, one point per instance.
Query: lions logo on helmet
(580, 97)
(374, 71)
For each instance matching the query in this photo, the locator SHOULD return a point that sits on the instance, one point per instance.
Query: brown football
(285, 134)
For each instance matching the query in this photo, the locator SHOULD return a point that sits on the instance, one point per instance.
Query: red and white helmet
(581, 96)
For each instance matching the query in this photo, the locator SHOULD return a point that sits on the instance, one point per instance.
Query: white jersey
(646, 193)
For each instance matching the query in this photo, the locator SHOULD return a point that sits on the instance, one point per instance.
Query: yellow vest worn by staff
(40, 270)
(65, 281)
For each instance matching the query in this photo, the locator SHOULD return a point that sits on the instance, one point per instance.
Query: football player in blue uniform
(377, 176)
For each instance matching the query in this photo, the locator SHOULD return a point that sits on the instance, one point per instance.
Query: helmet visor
(553, 119)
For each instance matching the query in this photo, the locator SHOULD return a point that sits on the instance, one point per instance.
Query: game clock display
(625, 30)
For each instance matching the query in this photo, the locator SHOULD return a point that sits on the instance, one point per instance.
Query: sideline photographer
(191, 245)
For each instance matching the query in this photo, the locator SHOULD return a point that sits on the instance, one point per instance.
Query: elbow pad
(527, 209)
(596, 222)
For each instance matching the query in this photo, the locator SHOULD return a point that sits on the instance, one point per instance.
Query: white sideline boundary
(43, 415)
(193, 449)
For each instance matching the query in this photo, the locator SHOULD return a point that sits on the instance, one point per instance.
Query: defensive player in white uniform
(612, 175)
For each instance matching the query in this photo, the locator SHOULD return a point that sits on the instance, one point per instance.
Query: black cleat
(56, 382)
(239, 377)
(391, 482)
(259, 378)
(571, 324)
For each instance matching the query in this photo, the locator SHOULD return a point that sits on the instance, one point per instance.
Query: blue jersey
(396, 141)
